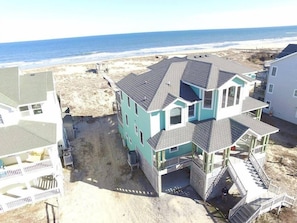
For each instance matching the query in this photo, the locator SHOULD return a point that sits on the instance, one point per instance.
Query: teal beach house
(195, 114)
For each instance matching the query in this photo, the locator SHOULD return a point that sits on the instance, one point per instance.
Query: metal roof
(211, 135)
(172, 76)
(18, 89)
(27, 135)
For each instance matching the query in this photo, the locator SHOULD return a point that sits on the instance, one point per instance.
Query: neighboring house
(30, 133)
(281, 89)
(195, 113)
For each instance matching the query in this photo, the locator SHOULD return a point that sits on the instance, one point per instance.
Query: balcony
(18, 170)
(19, 197)
(175, 163)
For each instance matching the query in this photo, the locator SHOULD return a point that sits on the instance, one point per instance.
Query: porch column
(158, 160)
(265, 142)
(226, 156)
(259, 113)
(252, 144)
(163, 158)
(208, 162)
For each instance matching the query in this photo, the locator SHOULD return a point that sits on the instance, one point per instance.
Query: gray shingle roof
(27, 135)
(211, 135)
(16, 89)
(171, 138)
(172, 77)
(251, 104)
(260, 128)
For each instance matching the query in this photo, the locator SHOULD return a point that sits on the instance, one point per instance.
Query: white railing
(22, 201)
(265, 179)
(177, 161)
(240, 203)
(271, 204)
(16, 170)
(236, 179)
(215, 182)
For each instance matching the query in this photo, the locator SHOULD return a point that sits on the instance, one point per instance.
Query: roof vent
(145, 82)
(144, 98)
(168, 83)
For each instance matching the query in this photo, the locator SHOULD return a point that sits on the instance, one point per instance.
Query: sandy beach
(101, 187)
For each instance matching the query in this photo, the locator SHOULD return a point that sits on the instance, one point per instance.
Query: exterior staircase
(256, 191)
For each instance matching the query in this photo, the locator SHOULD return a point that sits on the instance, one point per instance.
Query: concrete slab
(175, 180)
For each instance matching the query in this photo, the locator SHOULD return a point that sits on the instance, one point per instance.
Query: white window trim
(194, 116)
(268, 91)
(141, 133)
(272, 71)
(176, 149)
(168, 126)
(211, 106)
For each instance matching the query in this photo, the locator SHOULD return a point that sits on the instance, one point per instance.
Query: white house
(281, 89)
(30, 134)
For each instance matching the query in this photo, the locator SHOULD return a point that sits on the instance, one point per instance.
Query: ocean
(32, 54)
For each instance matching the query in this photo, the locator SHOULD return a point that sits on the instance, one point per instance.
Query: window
(273, 72)
(173, 149)
(231, 96)
(136, 129)
(141, 137)
(295, 93)
(238, 95)
(207, 99)
(37, 109)
(175, 116)
(129, 101)
(24, 108)
(191, 112)
(127, 121)
(224, 98)
(136, 109)
(270, 88)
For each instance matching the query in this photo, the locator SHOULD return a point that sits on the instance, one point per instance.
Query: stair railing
(236, 179)
(265, 179)
(215, 182)
(239, 204)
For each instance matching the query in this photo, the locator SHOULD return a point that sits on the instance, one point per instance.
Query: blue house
(195, 113)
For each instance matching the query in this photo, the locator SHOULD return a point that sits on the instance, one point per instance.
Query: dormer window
(175, 116)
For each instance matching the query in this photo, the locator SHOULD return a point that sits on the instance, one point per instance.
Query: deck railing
(177, 160)
(22, 201)
(16, 170)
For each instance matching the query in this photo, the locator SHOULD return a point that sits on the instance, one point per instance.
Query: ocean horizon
(40, 53)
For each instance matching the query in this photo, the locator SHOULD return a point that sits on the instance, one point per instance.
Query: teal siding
(128, 132)
(238, 81)
(182, 149)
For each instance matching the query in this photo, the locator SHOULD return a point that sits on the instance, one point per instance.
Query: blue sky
(46, 19)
